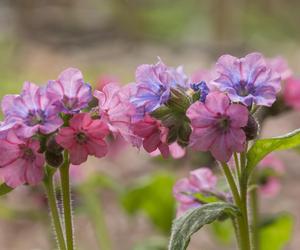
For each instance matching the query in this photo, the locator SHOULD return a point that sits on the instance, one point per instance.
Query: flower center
(69, 102)
(35, 117)
(81, 138)
(243, 88)
(223, 123)
(27, 153)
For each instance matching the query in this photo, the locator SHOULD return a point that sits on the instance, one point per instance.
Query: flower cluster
(43, 121)
(211, 110)
(164, 110)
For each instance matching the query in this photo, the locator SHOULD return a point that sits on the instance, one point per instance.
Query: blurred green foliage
(152, 196)
(276, 232)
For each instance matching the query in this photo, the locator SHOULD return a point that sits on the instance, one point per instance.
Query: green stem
(95, 211)
(237, 166)
(65, 185)
(48, 183)
(244, 240)
(254, 219)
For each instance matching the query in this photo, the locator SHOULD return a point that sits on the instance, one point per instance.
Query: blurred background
(129, 190)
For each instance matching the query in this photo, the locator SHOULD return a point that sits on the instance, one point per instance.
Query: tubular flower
(32, 111)
(153, 85)
(185, 190)
(70, 93)
(20, 161)
(154, 135)
(217, 126)
(248, 80)
(83, 137)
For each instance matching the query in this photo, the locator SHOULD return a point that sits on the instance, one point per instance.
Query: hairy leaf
(189, 223)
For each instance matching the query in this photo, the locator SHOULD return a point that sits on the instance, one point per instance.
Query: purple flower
(70, 91)
(153, 85)
(30, 112)
(248, 80)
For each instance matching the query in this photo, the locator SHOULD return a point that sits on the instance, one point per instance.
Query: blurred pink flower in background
(271, 169)
(83, 137)
(20, 161)
(104, 80)
(292, 92)
(217, 126)
(199, 180)
(204, 75)
(176, 151)
(280, 65)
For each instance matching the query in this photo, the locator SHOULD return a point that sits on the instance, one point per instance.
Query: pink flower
(83, 137)
(116, 110)
(31, 112)
(271, 168)
(217, 126)
(280, 66)
(154, 135)
(70, 91)
(20, 161)
(292, 92)
(184, 191)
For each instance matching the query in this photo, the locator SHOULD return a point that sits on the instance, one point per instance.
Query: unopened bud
(53, 159)
(252, 128)
(53, 146)
(184, 133)
(179, 100)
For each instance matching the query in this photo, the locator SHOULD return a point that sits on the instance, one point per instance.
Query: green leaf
(265, 146)
(189, 223)
(152, 196)
(275, 234)
(4, 189)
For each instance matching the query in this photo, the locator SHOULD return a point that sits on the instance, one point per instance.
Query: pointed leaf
(189, 223)
(265, 146)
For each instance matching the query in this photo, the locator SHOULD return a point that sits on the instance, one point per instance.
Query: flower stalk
(49, 187)
(67, 208)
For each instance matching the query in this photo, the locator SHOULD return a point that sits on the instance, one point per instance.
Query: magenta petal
(78, 154)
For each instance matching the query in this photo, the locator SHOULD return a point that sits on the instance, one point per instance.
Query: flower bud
(179, 101)
(53, 146)
(54, 159)
(252, 128)
(184, 133)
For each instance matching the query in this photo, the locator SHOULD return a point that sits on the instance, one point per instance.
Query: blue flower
(153, 86)
(202, 89)
(248, 80)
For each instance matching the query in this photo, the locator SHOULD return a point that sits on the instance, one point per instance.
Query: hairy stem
(242, 225)
(65, 186)
(48, 183)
